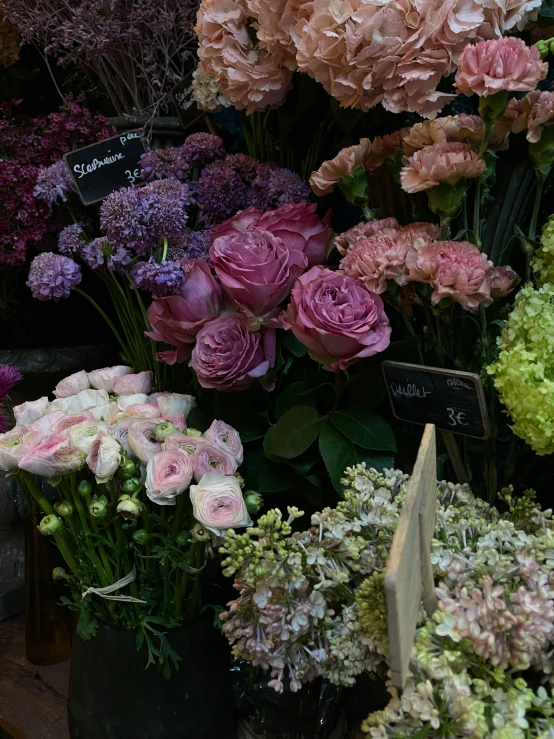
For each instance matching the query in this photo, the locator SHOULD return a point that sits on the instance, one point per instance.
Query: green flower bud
(58, 573)
(85, 488)
(193, 432)
(542, 48)
(550, 49)
(240, 479)
(64, 508)
(141, 536)
(199, 533)
(128, 507)
(163, 429)
(355, 187)
(182, 539)
(50, 525)
(131, 485)
(253, 501)
(98, 507)
(128, 469)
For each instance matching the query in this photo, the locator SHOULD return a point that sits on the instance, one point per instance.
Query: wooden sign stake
(409, 572)
(455, 456)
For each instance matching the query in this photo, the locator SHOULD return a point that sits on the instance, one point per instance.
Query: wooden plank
(409, 574)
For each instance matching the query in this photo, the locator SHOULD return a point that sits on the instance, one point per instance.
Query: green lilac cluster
(371, 611)
(524, 371)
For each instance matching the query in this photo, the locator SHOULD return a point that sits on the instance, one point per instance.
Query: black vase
(112, 696)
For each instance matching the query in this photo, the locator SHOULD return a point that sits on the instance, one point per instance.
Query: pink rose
(337, 318)
(178, 318)
(103, 379)
(133, 384)
(376, 260)
(217, 503)
(104, 457)
(141, 438)
(54, 456)
(226, 436)
(228, 356)
(28, 412)
(256, 268)
(297, 224)
(503, 280)
(72, 385)
(501, 64)
(168, 474)
(454, 269)
(323, 180)
(213, 458)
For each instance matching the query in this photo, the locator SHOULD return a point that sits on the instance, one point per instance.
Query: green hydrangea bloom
(543, 263)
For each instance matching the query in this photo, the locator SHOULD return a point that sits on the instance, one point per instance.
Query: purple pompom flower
(53, 276)
(247, 167)
(221, 193)
(161, 279)
(162, 163)
(54, 183)
(92, 254)
(193, 245)
(277, 187)
(200, 149)
(71, 239)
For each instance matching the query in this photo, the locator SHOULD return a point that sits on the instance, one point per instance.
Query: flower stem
(104, 316)
(532, 233)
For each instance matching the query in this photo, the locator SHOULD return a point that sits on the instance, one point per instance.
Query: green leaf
(199, 419)
(87, 625)
(547, 9)
(295, 431)
(263, 475)
(366, 389)
(365, 428)
(298, 392)
(294, 346)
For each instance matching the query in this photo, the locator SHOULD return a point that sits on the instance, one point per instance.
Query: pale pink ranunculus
(40, 429)
(146, 410)
(72, 385)
(337, 318)
(177, 319)
(365, 229)
(256, 268)
(82, 401)
(229, 356)
(438, 163)
(503, 280)
(499, 64)
(104, 456)
(377, 259)
(213, 458)
(141, 438)
(324, 180)
(82, 435)
(27, 412)
(54, 456)
(227, 437)
(175, 404)
(126, 401)
(218, 504)
(119, 429)
(454, 269)
(12, 447)
(103, 379)
(297, 224)
(187, 444)
(67, 421)
(133, 384)
(168, 474)
(105, 412)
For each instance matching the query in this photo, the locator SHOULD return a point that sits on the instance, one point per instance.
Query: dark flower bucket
(112, 696)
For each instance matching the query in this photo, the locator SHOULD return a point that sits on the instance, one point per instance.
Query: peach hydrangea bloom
(377, 259)
(324, 179)
(438, 163)
(500, 64)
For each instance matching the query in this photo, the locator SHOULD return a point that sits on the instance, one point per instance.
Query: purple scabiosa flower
(200, 149)
(54, 183)
(192, 245)
(160, 279)
(92, 252)
(277, 187)
(247, 167)
(71, 239)
(53, 276)
(164, 163)
(118, 257)
(220, 193)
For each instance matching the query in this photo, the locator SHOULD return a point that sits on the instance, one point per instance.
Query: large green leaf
(295, 431)
(365, 388)
(263, 475)
(294, 346)
(365, 428)
(297, 393)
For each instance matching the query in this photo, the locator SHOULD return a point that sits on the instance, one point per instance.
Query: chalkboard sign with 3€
(451, 400)
(100, 169)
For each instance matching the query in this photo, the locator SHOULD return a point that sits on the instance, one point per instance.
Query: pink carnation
(533, 112)
(454, 269)
(365, 229)
(383, 148)
(501, 64)
(439, 163)
(324, 179)
(376, 260)
(418, 234)
(469, 129)
(503, 280)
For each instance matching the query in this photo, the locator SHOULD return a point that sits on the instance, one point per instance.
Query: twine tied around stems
(103, 592)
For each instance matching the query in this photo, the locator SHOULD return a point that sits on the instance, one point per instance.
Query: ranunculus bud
(98, 507)
(199, 533)
(163, 429)
(131, 485)
(253, 501)
(85, 488)
(128, 468)
(141, 536)
(50, 525)
(128, 507)
(58, 573)
(193, 432)
(182, 539)
(64, 508)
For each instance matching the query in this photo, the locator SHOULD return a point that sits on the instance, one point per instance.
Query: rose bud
(99, 506)
(141, 536)
(85, 488)
(128, 507)
(253, 501)
(64, 508)
(163, 429)
(50, 525)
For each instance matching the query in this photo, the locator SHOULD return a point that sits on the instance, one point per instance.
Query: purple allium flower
(71, 239)
(161, 279)
(192, 245)
(54, 183)
(277, 187)
(221, 193)
(200, 149)
(247, 167)
(53, 276)
(164, 163)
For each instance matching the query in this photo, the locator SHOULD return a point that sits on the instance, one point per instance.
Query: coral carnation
(439, 163)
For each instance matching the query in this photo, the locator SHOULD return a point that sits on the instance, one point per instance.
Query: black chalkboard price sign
(100, 169)
(181, 95)
(453, 401)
